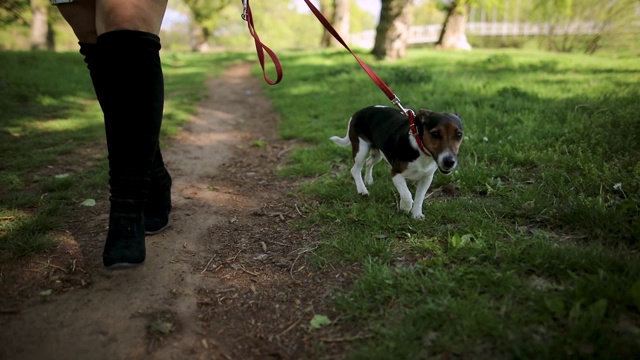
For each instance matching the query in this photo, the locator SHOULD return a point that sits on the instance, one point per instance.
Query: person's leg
(81, 16)
(141, 15)
(131, 92)
(119, 41)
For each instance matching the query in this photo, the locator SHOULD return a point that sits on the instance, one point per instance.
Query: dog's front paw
(417, 215)
(405, 205)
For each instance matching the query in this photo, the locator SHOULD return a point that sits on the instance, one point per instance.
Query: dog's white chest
(420, 168)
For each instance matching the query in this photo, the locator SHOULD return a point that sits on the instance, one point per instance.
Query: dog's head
(441, 135)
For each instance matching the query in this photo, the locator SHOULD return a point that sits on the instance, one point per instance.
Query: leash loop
(261, 48)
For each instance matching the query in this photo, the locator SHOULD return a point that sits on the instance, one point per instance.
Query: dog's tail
(345, 140)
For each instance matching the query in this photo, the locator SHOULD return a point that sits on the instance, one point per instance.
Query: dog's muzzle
(446, 163)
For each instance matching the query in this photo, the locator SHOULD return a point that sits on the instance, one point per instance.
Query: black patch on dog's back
(388, 131)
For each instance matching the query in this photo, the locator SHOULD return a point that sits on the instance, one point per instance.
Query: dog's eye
(435, 134)
(458, 135)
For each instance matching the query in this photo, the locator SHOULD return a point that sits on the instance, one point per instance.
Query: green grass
(52, 152)
(529, 250)
(535, 253)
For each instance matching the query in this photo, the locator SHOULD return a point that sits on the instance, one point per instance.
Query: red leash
(260, 48)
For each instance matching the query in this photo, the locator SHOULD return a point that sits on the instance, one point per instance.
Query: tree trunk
(199, 38)
(327, 8)
(450, 11)
(51, 37)
(392, 32)
(341, 19)
(39, 26)
(453, 35)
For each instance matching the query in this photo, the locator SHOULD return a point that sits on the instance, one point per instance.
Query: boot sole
(155, 232)
(123, 266)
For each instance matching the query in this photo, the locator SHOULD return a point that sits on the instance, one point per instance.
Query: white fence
(429, 33)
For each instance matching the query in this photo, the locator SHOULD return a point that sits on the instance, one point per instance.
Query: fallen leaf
(89, 202)
(319, 321)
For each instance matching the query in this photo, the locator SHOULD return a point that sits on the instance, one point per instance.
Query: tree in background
(614, 21)
(34, 25)
(11, 12)
(42, 36)
(609, 22)
(426, 12)
(392, 32)
(346, 17)
(205, 16)
(341, 20)
(338, 13)
(327, 8)
(453, 34)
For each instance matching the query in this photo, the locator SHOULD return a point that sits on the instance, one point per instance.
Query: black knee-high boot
(127, 77)
(158, 204)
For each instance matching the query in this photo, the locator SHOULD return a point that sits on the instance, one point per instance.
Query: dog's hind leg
(360, 153)
(374, 157)
(421, 193)
(406, 202)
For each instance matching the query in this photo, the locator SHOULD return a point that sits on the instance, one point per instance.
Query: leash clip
(244, 10)
(396, 102)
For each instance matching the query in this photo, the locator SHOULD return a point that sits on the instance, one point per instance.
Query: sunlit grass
(528, 250)
(51, 125)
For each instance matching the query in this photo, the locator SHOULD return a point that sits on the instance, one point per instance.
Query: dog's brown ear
(423, 115)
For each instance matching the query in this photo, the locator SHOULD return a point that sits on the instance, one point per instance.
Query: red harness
(261, 48)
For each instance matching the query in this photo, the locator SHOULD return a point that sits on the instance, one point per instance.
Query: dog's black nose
(449, 162)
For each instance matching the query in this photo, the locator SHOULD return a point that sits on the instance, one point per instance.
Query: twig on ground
(347, 338)
(298, 210)
(225, 291)
(248, 272)
(207, 266)
(292, 265)
(289, 327)
(234, 257)
(48, 263)
(277, 243)
(298, 257)
(284, 151)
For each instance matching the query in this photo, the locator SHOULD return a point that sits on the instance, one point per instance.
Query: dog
(382, 131)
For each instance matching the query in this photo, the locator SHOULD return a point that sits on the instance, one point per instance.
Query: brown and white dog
(381, 131)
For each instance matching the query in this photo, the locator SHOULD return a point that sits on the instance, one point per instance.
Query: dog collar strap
(413, 129)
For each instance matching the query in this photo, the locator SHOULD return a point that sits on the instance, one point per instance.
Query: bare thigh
(90, 18)
(142, 15)
(81, 16)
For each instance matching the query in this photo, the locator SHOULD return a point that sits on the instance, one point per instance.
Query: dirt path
(230, 279)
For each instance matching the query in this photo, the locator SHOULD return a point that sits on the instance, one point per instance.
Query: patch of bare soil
(231, 278)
